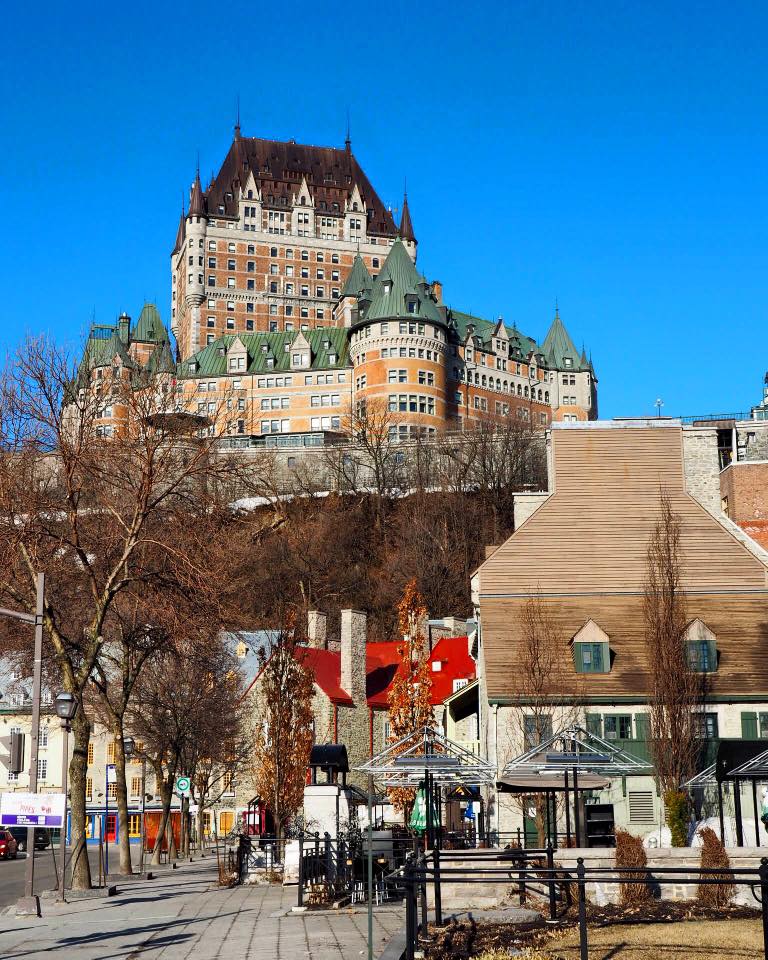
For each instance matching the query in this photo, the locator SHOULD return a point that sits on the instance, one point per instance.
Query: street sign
(183, 785)
(111, 773)
(32, 810)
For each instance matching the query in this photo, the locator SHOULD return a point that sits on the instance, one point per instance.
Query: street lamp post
(66, 708)
(129, 748)
(30, 904)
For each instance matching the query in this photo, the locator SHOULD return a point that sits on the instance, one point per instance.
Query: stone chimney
(317, 626)
(437, 291)
(354, 631)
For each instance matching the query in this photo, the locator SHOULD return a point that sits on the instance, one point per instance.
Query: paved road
(12, 871)
(183, 915)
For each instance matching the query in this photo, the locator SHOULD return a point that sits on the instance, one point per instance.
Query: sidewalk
(182, 914)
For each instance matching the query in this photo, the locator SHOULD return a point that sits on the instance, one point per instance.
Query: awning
(538, 783)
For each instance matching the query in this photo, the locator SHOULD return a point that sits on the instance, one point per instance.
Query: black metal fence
(335, 869)
(535, 872)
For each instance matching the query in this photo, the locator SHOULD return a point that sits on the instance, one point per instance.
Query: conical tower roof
(559, 348)
(149, 327)
(181, 232)
(406, 227)
(358, 280)
(161, 360)
(196, 201)
(399, 291)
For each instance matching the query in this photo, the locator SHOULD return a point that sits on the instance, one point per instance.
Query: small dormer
(355, 203)
(303, 197)
(591, 649)
(237, 357)
(701, 645)
(301, 353)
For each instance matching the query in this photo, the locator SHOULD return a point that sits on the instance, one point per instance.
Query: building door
(111, 830)
(226, 822)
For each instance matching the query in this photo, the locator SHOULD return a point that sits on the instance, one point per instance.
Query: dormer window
(221, 208)
(566, 361)
(250, 194)
(264, 348)
(192, 366)
(387, 287)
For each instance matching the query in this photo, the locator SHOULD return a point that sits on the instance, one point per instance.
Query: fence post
(328, 872)
(521, 880)
(581, 882)
(438, 895)
(301, 870)
(423, 896)
(551, 882)
(410, 919)
(764, 906)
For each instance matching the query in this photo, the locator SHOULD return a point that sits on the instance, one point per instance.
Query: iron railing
(534, 871)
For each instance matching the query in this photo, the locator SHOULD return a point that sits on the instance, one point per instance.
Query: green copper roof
(558, 347)
(484, 329)
(358, 280)
(211, 361)
(397, 286)
(149, 327)
(161, 360)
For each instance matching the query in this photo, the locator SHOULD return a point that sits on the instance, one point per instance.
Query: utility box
(17, 753)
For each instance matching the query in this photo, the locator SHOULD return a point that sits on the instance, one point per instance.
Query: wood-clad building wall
(584, 552)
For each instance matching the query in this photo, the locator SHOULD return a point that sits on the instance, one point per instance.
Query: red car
(7, 845)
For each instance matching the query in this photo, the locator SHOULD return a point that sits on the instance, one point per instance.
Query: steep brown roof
(181, 233)
(196, 200)
(278, 168)
(406, 227)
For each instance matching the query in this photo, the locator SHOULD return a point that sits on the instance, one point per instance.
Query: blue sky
(611, 155)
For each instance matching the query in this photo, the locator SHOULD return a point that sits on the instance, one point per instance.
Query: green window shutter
(748, 726)
(712, 655)
(606, 650)
(642, 726)
(595, 724)
(578, 660)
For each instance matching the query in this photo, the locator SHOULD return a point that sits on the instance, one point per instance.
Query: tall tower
(269, 245)
(399, 347)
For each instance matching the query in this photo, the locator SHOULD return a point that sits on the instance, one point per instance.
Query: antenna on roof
(237, 121)
(198, 164)
(348, 141)
(557, 309)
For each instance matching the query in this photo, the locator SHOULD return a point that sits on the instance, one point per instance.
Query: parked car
(42, 838)
(7, 845)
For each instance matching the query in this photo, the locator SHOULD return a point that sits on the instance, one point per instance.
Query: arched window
(250, 194)
(484, 381)
(526, 391)
(546, 396)
(539, 394)
(519, 390)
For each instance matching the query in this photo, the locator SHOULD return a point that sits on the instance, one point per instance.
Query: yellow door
(226, 822)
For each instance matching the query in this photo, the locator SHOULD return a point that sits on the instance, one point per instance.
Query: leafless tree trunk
(673, 685)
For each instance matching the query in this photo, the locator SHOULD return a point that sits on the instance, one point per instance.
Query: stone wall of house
(702, 467)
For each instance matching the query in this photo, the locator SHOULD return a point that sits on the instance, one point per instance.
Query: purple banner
(33, 820)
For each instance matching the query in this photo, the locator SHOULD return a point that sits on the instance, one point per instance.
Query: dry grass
(690, 940)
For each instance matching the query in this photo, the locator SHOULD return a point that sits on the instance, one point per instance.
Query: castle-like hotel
(298, 309)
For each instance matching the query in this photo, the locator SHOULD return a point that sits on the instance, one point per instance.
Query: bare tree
(546, 696)
(283, 736)
(86, 509)
(673, 685)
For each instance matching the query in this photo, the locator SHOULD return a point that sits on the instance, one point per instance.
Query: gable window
(702, 648)
(590, 657)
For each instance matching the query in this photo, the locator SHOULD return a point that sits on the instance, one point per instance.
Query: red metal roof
(452, 653)
(382, 663)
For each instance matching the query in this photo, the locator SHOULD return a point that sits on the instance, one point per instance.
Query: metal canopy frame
(404, 762)
(575, 748)
(754, 769)
(705, 778)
